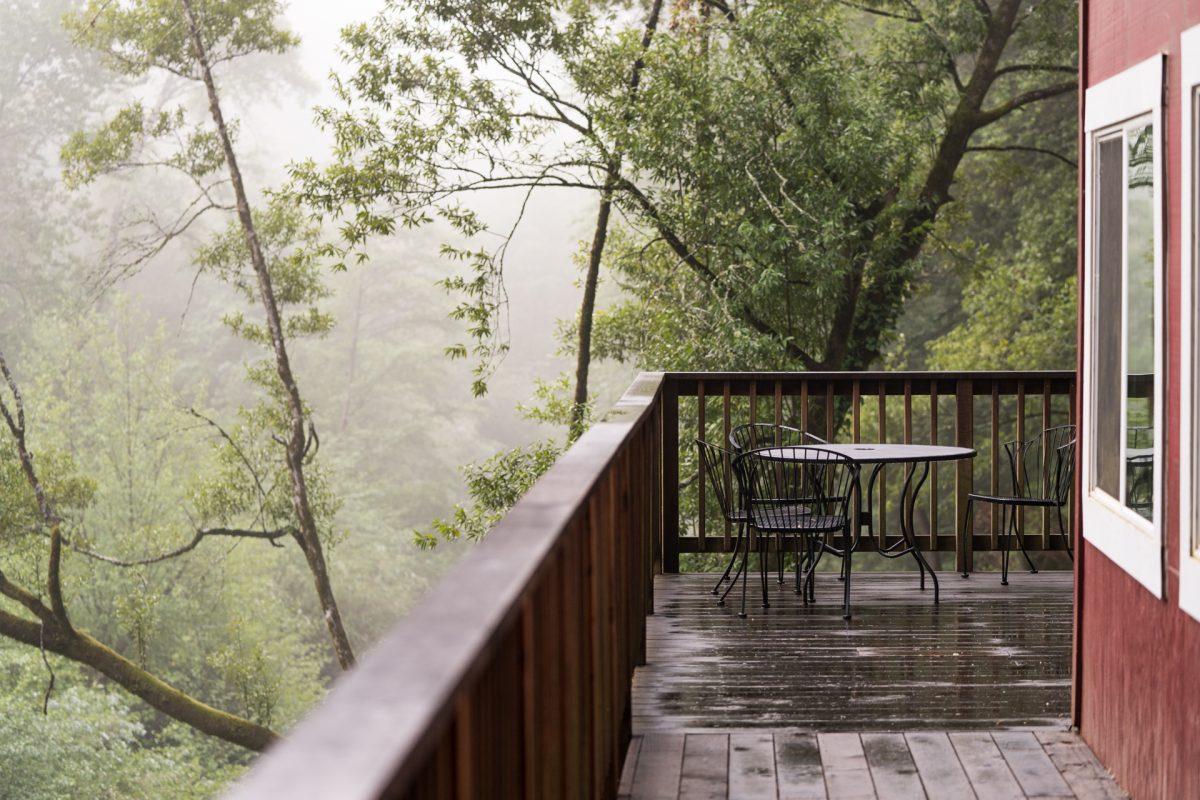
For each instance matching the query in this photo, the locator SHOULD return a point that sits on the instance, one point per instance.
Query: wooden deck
(750, 765)
(987, 656)
(966, 699)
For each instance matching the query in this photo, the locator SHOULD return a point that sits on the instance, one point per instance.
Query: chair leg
(1021, 543)
(1063, 533)
(847, 553)
(742, 543)
(763, 552)
(816, 550)
(745, 573)
(801, 556)
(733, 559)
(967, 519)
(779, 559)
(1006, 526)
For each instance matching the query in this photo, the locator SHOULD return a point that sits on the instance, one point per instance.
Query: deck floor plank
(892, 769)
(941, 773)
(985, 766)
(798, 767)
(705, 773)
(752, 766)
(659, 764)
(847, 774)
(1030, 765)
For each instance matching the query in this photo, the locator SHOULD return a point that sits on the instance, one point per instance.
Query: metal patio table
(879, 454)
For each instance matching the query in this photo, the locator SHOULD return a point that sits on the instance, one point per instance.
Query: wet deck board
(753, 764)
(986, 657)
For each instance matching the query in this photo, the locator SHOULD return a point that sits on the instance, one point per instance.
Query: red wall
(1138, 660)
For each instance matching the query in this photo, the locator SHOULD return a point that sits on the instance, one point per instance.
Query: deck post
(964, 479)
(670, 477)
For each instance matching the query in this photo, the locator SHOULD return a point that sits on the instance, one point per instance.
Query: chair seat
(807, 522)
(1012, 500)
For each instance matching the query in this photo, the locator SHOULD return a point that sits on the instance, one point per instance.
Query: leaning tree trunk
(583, 358)
(307, 535)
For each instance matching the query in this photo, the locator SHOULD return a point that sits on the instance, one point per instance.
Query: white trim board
(1132, 542)
(1189, 502)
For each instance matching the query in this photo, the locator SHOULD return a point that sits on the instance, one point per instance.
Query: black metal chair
(1052, 455)
(804, 492)
(756, 435)
(717, 463)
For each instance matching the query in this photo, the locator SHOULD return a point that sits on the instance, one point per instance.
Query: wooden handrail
(512, 676)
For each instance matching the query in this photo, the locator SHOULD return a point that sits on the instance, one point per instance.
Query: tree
(37, 515)
(190, 40)
(796, 191)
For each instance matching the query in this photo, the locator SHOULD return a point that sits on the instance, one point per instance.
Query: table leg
(910, 532)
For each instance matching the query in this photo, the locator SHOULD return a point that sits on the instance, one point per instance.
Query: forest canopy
(239, 377)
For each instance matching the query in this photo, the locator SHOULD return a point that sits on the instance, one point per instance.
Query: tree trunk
(297, 442)
(82, 648)
(583, 358)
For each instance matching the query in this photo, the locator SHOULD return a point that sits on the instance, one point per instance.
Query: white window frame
(1128, 539)
(1189, 459)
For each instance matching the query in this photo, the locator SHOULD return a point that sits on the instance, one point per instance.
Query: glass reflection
(1139, 328)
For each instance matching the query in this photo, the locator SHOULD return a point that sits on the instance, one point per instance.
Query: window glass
(1110, 180)
(1139, 331)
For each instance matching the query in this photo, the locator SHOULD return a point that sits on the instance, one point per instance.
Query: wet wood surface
(967, 699)
(986, 657)
(964, 765)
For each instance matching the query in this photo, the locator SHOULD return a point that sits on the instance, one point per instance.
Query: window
(1189, 416)
(1122, 436)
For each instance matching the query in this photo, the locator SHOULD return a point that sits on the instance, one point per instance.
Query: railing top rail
(1051, 374)
(373, 731)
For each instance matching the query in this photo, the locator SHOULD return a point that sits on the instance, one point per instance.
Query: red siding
(1138, 694)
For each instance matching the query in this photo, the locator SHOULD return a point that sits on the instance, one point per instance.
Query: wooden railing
(512, 677)
(979, 410)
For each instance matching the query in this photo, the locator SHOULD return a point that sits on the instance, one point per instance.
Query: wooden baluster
(1076, 473)
(933, 471)
(1020, 510)
(829, 432)
(778, 408)
(880, 520)
(964, 478)
(753, 401)
(993, 509)
(1045, 466)
(855, 396)
(670, 480)
(804, 406)
(701, 472)
(725, 403)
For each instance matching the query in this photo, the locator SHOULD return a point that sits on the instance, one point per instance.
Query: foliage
(495, 486)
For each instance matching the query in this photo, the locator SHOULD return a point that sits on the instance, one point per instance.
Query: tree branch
(988, 116)
(272, 536)
(985, 148)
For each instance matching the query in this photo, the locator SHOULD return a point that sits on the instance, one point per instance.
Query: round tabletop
(881, 453)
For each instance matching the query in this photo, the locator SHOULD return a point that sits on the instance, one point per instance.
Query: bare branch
(1011, 68)
(200, 535)
(985, 148)
(879, 12)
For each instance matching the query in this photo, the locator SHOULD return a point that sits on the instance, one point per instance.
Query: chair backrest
(777, 481)
(755, 435)
(717, 463)
(1043, 467)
